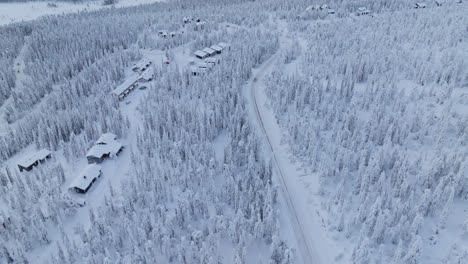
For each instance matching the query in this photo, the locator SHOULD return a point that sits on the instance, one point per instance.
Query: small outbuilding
(331, 11)
(420, 5)
(105, 147)
(197, 71)
(126, 87)
(201, 54)
(83, 182)
(439, 2)
(29, 162)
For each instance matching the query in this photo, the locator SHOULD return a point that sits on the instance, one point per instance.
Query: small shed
(217, 48)
(331, 11)
(209, 51)
(173, 34)
(83, 182)
(29, 162)
(439, 2)
(126, 87)
(420, 5)
(201, 54)
(104, 148)
(196, 71)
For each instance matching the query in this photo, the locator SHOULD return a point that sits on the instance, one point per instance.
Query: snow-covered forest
(377, 108)
(364, 153)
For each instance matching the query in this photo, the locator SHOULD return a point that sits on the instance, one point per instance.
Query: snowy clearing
(24, 11)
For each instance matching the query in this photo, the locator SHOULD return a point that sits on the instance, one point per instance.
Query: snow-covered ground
(24, 11)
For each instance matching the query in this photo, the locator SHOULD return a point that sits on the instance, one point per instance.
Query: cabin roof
(106, 138)
(209, 51)
(30, 159)
(200, 53)
(216, 47)
(85, 177)
(101, 149)
(223, 45)
(125, 85)
(147, 74)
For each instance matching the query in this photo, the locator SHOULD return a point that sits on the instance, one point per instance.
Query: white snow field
(29, 10)
(323, 133)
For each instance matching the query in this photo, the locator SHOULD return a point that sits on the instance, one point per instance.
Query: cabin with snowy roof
(217, 48)
(105, 147)
(147, 75)
(32, 160)
(142, 65)
(201, 54)
(209, 51)
(83, 182)
(126, 87)
(362, 11)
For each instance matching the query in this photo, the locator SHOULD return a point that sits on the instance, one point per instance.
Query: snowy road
(306, 247)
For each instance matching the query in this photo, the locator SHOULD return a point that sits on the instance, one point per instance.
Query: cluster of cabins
(146, 74)
(33, 160)
(363, 11)
(165, 34)
(324, 8)
(422, 5)
(198, 24)
(208, 55)
(105, 147)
